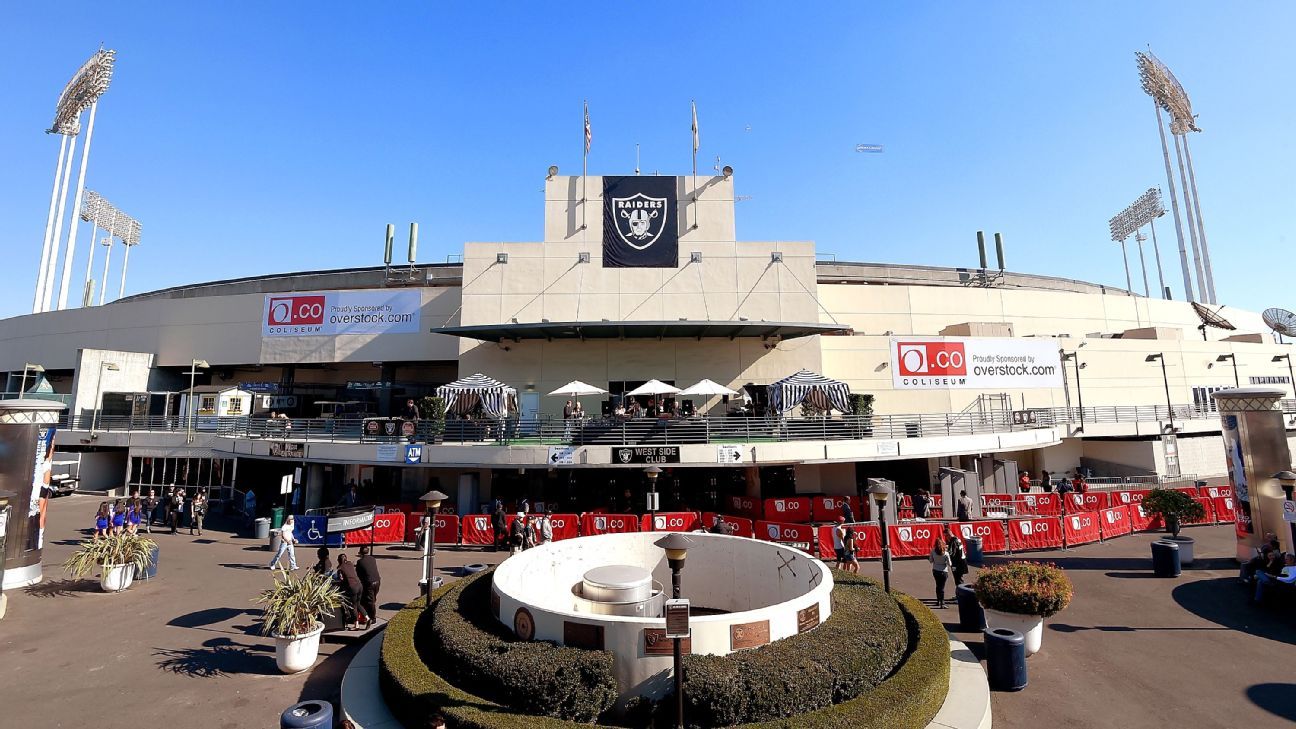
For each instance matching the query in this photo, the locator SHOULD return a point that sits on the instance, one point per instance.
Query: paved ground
(1132, 651)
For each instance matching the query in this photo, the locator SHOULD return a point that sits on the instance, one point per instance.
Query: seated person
(1259, 562)
(1286, 577)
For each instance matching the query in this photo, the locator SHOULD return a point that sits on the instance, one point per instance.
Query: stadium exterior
(981, 370)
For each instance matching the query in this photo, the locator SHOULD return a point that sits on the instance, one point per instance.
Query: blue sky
(253, 138)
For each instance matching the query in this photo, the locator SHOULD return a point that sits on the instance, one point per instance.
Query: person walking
(349, 582)
(848, 548)
(515, 532)
(370, 581)
(287, 538)
(103, 521)
(499, 524)
(118, 518)
(940, 564)
(177, 509)
(839, 542)
(847, 512)
(249, 507)
(197, 510)
(544, 527)
(150, 506)
(964, 508)
(957, 557)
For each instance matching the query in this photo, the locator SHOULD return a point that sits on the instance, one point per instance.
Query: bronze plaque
(495, 603)
(583, 635)
(657, 644)
(748, 635)
(524, 624)
(808, 618)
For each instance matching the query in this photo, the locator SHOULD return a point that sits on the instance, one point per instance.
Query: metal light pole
(32, 367)
(193, 405)
(1139, 238)
(677, 546)
(49, 228)
(121, 290)
(881, 491)
(103, 282)
(1231, 358)
(433, 501)
(76, 210)
(652, 472)
(1074, 357)
(47, 289)
(1165, 378)
(1153, 76)
(94, 420)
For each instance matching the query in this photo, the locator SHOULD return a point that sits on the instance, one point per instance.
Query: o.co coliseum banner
(938, 363)
(330, 313)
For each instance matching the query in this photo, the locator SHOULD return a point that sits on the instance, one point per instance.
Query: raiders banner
(639, 222)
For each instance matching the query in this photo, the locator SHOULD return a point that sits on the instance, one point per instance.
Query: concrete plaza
(185, 649)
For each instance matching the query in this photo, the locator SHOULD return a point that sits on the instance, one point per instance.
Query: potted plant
(862, 409)
(118, 557)
(1020, 595)
(434, 409)
(1175, 508)
(291, 616)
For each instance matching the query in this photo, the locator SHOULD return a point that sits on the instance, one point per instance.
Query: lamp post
(111, 367)
(881, 490)
(1291, 375)
(1165, 378)
(652, 472)
(432, 500)
(26, 367)
(676, 546)
(193, 406)
(1231, 358)
(1075, 358)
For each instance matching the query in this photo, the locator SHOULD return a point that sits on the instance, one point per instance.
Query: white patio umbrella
(654, 387)
(707, 388)
(576, 388)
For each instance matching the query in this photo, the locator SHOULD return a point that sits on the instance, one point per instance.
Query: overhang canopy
(680, 329)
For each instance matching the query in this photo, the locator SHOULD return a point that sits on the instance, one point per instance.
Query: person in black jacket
(349, 582)
(500, 525)
(370, 581)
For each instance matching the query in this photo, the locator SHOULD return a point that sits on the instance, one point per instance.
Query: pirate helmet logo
(625, 454)
(639, 219)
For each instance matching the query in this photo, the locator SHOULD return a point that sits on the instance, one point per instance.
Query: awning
(681, 329)
(461, 396)
(804, 386)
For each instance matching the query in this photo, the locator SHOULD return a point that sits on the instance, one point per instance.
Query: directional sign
(345, 521)
(286, 484)
(729, 454)
(677, 618)
(1289, 511)
(413, 454)
(562, 455)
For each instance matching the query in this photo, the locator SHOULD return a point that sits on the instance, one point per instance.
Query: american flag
(589, 135)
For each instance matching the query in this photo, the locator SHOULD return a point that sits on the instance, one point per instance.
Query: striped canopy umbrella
(804, 386)
(461, 396)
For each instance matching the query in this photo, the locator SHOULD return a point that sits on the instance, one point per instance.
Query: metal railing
(30, 395)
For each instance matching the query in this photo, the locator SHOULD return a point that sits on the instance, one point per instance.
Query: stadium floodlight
(82, 91)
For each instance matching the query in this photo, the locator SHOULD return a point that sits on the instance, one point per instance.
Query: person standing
(287, 538)
(324, 566)
(1023, 482)
(544, 527)
(133, 516)
(1078, 484)
(349, 582)
(839, 542)
(1046, 481)
(921, 504)
(515, 532)
(499, 525)
(118, 518)
(957, 557)
(103, 521)
(964, 508)
(848, 548)
(197, 511)
(177, 509)
(940, 564)
(370, 581)
(150, 505)
(847, 512)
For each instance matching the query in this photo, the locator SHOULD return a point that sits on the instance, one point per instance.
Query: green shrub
(1027, 588)
(531, 677)
(853, 651)
(861, 404)
(1175, 507)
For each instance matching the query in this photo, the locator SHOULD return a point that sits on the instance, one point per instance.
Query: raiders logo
(640, 219)
(625, 454)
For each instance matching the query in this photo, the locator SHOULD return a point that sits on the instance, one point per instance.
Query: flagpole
(693, 106)
(585, 145)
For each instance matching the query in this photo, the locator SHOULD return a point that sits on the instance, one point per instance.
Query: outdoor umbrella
(708, 388)
(654, 387)
(576, 388)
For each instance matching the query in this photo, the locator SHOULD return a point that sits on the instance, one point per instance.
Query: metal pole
(1157, 251)
(121, 290)
(1201, 230)
(1138, 238)
(22, 387)
(1165, 377)
(192, 408)
(1202, 291)
(679, 656)
(1174, 206)
(429, 530)
(94, 233)
(886, 547)
(49, 229)
(1129, 285)
(1233, 359)
(1079, 393)
(585, 145)
(94, 419)
(1291, 374)
(76, 211)
(47, 293)
(103, 283)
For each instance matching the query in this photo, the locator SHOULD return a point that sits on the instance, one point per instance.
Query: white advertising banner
(984, 363)
(331, 313)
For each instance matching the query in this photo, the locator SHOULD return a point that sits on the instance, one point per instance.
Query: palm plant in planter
(117, 556)
(1175, 508)
(291, 615)
(1020, 595)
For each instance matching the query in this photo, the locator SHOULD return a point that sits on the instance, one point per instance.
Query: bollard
(971, 616)
(1165, 558)
(307, 715)
(974, 554)
(1005, 659)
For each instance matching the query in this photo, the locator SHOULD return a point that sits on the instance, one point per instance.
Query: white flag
(697, 141)
(589, 135)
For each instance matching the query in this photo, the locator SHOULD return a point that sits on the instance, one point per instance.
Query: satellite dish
(1281, 321)
(552, 172)
(1210, 319)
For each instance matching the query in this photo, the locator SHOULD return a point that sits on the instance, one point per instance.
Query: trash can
(1005, 659)
(261, 528)
(276, 517)
(307, 715)
(974, 555)
(276, 537)
(971, 616)
(1165, 558)
(150, 570)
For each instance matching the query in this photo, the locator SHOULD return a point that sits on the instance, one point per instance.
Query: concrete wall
(132, 375)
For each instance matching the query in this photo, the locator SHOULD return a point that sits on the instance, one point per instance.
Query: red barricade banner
(388, 528)
(445, 529)
(745, 506)
(797, 535)
(1044, 504)
(565, 526)
(1088, 501)
(1141, 521)
(991, 533)
(868, 541)
(405, 509)
(670, 521)
(794, 509)
(1209, 518)
(591, 524)
(1223, 507)
(1037, 532)
(1115, 522)
(1127, 497)
(1215, 492)
(1190, 490)
(828, 508)
(914, 540)
(738, 526)
(477, 529)
(1081, 528)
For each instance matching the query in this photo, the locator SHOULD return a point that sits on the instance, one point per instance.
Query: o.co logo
(1029, 499)
(558, 521)
(668, 522)
(481, 522)
(1081, 522)
(295, 311)
(831, 504)
(980, 530)
(925, 359)
(382, 523)
(442, 523)
(782, 534)
(1033, 527)
(1228, 502)
(909, 534)
(788, 505)
(1114, 516)
(743, 504)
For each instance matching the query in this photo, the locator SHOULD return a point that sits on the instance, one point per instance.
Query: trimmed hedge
(908, 699)
(859, 645)
(533, 677)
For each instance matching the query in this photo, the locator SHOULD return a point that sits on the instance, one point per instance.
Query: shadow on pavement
(210, 616)
(235, 566)
(1084, 563)
(1274, 698)
(1067, 628)
(325, 680)
(1143, 575)
(218, 657)
(61, 588)
(1225, 602)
